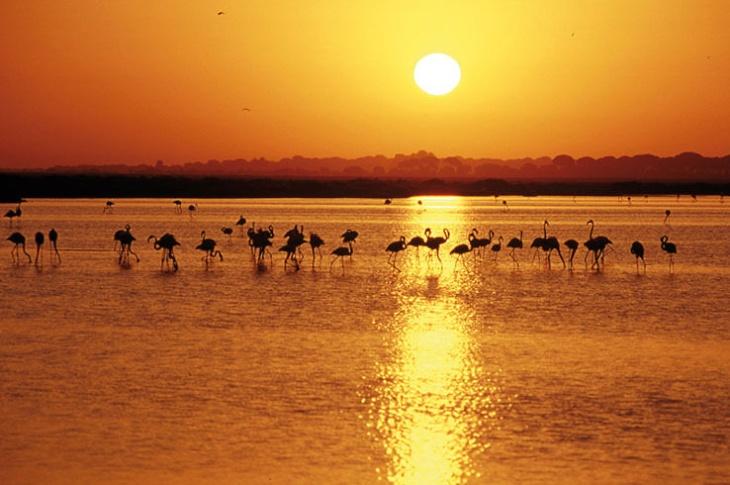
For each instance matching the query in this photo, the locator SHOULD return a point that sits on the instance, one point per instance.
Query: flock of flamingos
(260, 242)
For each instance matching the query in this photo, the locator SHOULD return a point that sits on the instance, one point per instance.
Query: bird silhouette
(637, 249)
(125, 239)
(241, 222)
(316, 243)
(108, 207)
(496, 248)
(19, 241)
(349, 237)
(394, 248)
(39, 240)
(221, 12)
(416, 242)
(191, 210)
(669, 248)
(667, 213)
(434, 243)
(340, 254)
(53, 239)
(178, 206)
(572, 246)
(11, 214)
(291, 254)
(388, 201)
(208, 247)
(538, 243)
(514, 244)
(228, 231)
(260, 241)
(461, 249)
(167, 243)
(596, 246)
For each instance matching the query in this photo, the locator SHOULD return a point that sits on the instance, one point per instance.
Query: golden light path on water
(437, 402)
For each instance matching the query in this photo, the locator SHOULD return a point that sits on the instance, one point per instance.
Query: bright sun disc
(437, 74)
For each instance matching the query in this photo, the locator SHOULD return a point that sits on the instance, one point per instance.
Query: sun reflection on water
(436, 402)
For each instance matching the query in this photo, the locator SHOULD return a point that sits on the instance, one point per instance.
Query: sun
(437, 74)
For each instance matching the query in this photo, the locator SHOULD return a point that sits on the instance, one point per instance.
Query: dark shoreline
(15, 185)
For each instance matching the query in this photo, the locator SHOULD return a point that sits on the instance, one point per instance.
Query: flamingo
(108, 207)
(316, 243)
(538, 243)
(394, 248)
(178, 206)
(596, 245)
(341, 252)
(348, 237)
(496, 248)
(670, 249)
(227, 231)
(208, 247)
(667, 213)
(551, 244)
(461, 249)
(291, 253)
(39, 240)
(241, 222)
(12, 214)
(483, 242)
(416, 242)
(637, 249)
(125, 239)
(388, 201)
(191, 210)
(572, 246)
(167, 243)
(514, 244)
(53, 238)
(19, 240)
(118, 235)
(434, 243)
(260, 241)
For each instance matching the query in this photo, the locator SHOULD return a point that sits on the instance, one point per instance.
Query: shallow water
(477, 372)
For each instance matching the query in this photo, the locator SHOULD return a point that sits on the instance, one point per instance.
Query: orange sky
(136, 81)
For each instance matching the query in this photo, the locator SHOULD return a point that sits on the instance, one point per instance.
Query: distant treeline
(16, 185)
(424, 165)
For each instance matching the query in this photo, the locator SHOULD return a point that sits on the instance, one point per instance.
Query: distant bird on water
(667, 213)
(178, 206)
(241, 222)
(514, 244)
(221, 12)
(669, 248)
(125, 239)
(637, 249)
(316, 243)
(496, 248)
(572, 246)
(208, 245)
(191, 210)
(19, 240)
(167, 243)
(434, 243)
(388, 201)
(108, 207)
(461, 249)
(228, 231)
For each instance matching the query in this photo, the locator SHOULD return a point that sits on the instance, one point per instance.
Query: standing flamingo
(496, 248)
(316, 243)
(12, 214)
(670, 249)
(349, 237)
(597, 246)
(208, 247)
(394, 248)
(108, 207)
(53, 238)
(538, 243)
(340, 253)
(637, 249)
(178, 206)
(434, 243)
(125, 239)
(514, 244)
(191, 210)
(241, 222)
(167, 243)
(461, 249)
(19, 240)
(667, 213)
(39, 240)
(416, 242)
(572, 246)
(228, 231)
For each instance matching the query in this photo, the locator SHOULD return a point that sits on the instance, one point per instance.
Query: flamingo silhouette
(125, 239)
(208, 247)
(496, 248)
(538, 243)
(388, 202)
(597, 246)
(667, 213)
(434, 243)
(108, 207)
(19, 241)
(394, 248)
(551, 244)
(669, 248)
(241, 222)
(340, 254)
(260, 241)
(513, 244)
(572, 246)
(228, 231)
(118, 235)
(178, 206)
(191, 210)
(316, 243)
(637, 249)
(461, 249)
(53, 238)
(416, 242)
(349, 237)
(12, 214)
(39, 240)
(167, 243)
(291, 254)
